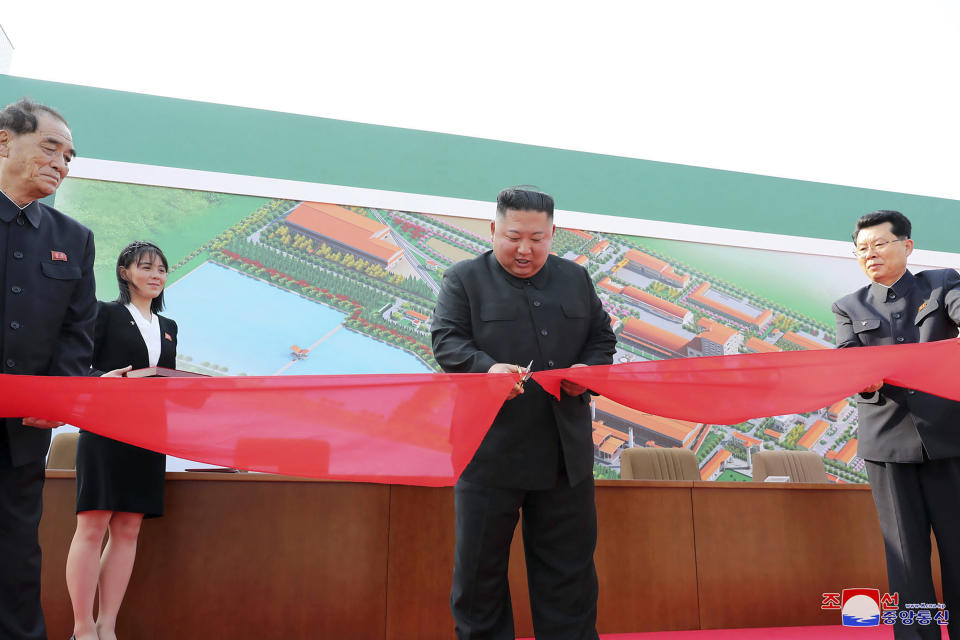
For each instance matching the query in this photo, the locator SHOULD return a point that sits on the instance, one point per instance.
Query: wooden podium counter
(256, 556)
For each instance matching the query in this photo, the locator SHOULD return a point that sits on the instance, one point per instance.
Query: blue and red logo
(867, 608)
(860, 607)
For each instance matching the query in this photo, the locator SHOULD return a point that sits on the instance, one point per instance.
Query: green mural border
(144, 129)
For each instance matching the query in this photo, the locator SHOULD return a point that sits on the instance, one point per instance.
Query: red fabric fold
(731, 389)
(418, 429)
(424, 428)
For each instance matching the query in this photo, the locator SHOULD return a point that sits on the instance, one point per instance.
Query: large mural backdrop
(282, 287)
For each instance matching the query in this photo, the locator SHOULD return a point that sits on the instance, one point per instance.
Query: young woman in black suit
(119, 484)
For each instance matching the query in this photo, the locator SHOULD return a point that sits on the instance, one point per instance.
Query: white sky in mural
(858, 92)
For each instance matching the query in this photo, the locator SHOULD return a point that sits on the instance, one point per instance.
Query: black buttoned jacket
(483, 316)
(119, 343)
(47, 308)
(896, 424)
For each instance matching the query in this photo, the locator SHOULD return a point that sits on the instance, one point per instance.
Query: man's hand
(517, 370)
(117, 373)
(39, 423)
(42, 424)
(872, 388)
(572, 388)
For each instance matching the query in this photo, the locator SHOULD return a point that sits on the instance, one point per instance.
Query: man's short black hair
(131, 255)
(900, 225)
(20, 117)
(522, 199)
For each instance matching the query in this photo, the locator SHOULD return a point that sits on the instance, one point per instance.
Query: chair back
(800, 466)
(652, 463)
(63, 451)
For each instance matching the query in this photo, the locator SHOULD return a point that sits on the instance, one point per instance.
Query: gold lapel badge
(922, 307)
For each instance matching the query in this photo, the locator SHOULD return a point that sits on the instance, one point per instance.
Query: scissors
(524, 376)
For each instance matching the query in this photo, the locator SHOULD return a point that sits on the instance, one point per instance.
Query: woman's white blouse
(150, 330)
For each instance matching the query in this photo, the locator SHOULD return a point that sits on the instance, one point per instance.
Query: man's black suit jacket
(118, 343)
(896, 424)
(483, 316)
(47, 309)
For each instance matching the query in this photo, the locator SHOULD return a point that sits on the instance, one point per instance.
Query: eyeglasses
(863, 252)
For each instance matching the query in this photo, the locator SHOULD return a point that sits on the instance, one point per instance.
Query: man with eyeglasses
(909, 440)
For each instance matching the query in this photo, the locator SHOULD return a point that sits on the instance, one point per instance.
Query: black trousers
(559, 538)
(911, 499)
(21, 504)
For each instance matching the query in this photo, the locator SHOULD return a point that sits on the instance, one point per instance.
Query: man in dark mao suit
(47, 313)
(496, 313)
(910, 440)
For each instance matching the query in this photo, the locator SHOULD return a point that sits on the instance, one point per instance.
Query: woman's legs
(115, 569)
(83, 570)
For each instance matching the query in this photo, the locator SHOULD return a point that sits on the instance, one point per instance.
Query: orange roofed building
(599, 247)
(609, 285)
(714, 465)
(800, 341)
(415, 316)
(645, 264)
(759, 322)
(746, 440)
(644, 427)
(813, 434)
(756, 345)
(846, 454)
(582, 234)
(608, 443)
(663, 308)
(653, 339)
(716, 340)
(837, 409)
(345, 231)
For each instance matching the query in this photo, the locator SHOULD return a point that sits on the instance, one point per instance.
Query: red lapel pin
(58, 255)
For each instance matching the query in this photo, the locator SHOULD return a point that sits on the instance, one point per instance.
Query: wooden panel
(244, 559)
(645, 558)
(766, 553)
(420, 563)
(422, 540)
(56, 531)
(263, 556)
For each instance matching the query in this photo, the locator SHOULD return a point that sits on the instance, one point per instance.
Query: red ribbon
(418, 429)
(424, 428)
(731, 389)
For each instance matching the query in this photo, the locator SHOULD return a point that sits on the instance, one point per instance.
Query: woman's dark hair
(523, 198)
(132, 254)
(899, 224)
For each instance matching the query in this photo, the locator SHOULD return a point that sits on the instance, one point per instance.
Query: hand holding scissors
(523, 373)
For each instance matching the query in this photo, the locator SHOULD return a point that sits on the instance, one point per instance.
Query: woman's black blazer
(117, 341)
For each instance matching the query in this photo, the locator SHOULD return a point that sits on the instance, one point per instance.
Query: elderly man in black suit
(496, 313)
(47, 313)
(909, 439)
